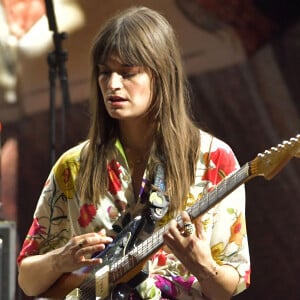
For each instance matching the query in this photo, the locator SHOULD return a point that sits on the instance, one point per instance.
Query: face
(126, 89)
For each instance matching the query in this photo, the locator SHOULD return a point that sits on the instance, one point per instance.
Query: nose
(114, 81)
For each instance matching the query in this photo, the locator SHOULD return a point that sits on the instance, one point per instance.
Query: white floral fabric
(59, 215)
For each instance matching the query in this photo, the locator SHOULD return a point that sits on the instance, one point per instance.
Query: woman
(143, 157)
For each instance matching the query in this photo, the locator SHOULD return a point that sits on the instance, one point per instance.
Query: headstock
(271, 161)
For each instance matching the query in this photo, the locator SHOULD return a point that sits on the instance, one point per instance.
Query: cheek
(142, 96)
(149, 94)
(145, 90)
(100, 84)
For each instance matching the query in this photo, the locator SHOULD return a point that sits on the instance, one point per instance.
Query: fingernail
(102, 231)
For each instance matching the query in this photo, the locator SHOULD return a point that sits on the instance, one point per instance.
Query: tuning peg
(286, 142)
(275, 149)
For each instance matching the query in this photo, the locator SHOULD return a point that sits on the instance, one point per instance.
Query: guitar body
(123, 242)
(81, 284)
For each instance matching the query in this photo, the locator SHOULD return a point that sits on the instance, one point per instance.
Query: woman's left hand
(193, 249)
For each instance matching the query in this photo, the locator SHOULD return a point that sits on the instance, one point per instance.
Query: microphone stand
(56, 61)
(1, 203)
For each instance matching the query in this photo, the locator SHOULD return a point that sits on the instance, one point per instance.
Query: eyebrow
(121, 65)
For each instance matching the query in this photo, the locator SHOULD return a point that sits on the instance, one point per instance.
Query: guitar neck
(266, 164)
(145, 249)
(224, 188)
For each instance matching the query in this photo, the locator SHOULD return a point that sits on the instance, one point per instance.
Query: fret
(224, 188)
(155, 241)
(137, 254)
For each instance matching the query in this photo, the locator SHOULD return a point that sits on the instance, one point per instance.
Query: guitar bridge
(73, 295)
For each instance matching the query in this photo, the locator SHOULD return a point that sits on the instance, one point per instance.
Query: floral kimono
(60, 214)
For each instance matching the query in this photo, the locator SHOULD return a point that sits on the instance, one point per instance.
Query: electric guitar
(123, 260)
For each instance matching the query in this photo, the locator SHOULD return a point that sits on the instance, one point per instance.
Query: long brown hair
(141, 36)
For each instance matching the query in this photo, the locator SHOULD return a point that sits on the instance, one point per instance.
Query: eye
(102, 71)
(130, 71)
(127, 75)
(103, 74)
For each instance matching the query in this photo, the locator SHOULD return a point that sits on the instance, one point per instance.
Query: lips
(116, 101)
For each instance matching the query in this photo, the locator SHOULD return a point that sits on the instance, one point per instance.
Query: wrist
(54, 261)
(211, 272)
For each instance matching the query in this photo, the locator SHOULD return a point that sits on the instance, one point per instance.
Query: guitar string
(119, 268)
(126, 263)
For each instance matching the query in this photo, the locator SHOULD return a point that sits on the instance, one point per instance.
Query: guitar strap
(156, 206)
(158, 202)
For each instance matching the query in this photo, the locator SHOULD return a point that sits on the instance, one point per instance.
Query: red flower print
(247, 277)
(224, 162)
(35, 229)
(30, 245)
(87, 213)
(238, 230)
(114, 182)
(161, 257)
(47, 182)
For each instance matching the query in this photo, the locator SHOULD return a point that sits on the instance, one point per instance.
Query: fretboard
(155, 241)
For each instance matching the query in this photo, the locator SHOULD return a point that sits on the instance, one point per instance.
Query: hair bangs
(119, 41)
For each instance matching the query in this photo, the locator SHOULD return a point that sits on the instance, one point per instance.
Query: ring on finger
(188, 228)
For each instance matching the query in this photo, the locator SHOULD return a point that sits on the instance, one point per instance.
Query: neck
(137, 137)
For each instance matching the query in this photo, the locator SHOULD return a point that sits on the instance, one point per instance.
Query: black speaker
(7, 260)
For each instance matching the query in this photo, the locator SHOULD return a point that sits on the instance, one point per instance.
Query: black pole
(1, 204)
(56, 62)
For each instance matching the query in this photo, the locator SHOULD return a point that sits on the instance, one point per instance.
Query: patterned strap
(158, 201)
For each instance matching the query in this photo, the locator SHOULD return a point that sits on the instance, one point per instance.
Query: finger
(92, 239)
(200, 231)
(173, 230)
(81, 243)
(92, 261)
(185, 217)
(188, 227)
(85, 255)
(87, 251)
(83, 258)
(172, 235)
(102, 232)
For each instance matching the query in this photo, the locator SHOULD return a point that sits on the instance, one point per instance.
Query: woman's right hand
(78, 251)
(37, 273)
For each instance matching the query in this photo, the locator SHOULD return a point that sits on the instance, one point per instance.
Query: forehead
(122, 52)
(115, 62)
(114, 59)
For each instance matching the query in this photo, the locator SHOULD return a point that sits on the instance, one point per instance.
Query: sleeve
(225, 223)
(50, 225)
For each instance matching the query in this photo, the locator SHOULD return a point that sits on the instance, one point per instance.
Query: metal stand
(1, 204)
(56, 61)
